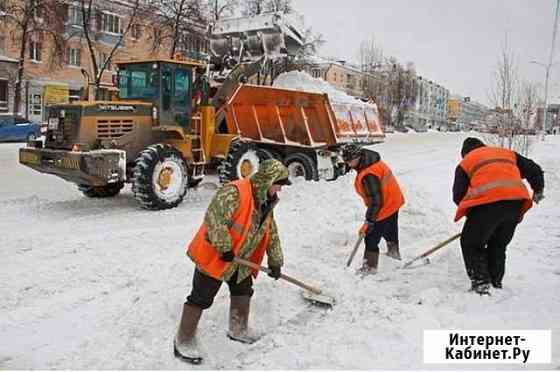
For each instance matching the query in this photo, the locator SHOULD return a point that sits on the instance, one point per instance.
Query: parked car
(16, 128)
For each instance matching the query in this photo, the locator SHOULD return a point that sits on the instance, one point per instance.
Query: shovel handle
(287, 278)
(432, 250)
(356, 246)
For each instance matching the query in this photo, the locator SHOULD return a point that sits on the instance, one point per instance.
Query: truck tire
(242, 161)
(160, 177)
(265, 154)
(107, 191)
(301, 165)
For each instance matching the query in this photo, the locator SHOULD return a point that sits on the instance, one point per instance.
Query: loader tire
(301, 165)
(107, 191)
(242, 161)
(160, 177)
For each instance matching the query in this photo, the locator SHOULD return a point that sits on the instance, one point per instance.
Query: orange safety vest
(392, 197)
(493, 176)
(207, 258)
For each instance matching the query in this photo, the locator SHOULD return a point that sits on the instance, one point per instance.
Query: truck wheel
(242, 161)
(301, 165)
(160, 177)
(265, 154)
(107, 191)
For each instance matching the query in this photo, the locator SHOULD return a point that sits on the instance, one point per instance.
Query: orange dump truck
(302, 129)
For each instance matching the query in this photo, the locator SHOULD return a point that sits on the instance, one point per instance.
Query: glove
(366, 226)
(274, 272)
(538, 196)
(228, 256)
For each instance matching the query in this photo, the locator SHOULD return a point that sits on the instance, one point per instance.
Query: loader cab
(165, 83)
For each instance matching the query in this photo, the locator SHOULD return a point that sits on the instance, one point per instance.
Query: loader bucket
(270, 34)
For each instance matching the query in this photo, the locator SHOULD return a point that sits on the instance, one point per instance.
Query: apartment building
(430, 110)
(340, 74)
(54, 76)
(464, 112)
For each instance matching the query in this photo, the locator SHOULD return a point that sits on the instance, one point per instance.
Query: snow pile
(300, 80)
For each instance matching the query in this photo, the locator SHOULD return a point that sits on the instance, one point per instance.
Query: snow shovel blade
(318, 299)
(315, 294)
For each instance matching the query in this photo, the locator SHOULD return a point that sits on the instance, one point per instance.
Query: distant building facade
(430, 110)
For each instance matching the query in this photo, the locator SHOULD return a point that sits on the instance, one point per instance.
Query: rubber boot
(239, 320)
(480, 287)
(393, 250)
(185, 345)
(370, 262)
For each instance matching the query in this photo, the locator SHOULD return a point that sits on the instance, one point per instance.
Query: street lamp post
(548, 66)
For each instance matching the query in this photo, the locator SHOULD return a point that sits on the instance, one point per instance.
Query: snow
(302, 81)
(99, 284)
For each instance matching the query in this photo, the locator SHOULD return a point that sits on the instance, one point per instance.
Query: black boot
(369, 265)
(482, 288)
(393, 250)
(185, 345)
(239, 320)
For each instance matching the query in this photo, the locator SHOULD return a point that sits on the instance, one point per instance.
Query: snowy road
(99, 284)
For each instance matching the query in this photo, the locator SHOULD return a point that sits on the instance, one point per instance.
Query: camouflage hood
(270, 171)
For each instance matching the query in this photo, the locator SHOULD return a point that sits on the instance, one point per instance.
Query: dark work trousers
(487, 232)
(387, 229)
(205, 288)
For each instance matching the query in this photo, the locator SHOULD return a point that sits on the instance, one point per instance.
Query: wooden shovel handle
(287, 278)
(354, 250)
(432, 250)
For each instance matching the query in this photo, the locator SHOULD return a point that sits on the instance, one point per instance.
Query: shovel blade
(318, 299)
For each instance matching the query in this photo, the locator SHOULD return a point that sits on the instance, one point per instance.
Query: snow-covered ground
(99, 284)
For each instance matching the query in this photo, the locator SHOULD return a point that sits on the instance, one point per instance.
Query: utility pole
(547, 68)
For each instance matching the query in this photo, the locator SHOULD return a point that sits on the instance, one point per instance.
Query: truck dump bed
(294, 118)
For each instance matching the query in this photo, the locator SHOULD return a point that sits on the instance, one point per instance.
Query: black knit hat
(470, 144)
(351, 152)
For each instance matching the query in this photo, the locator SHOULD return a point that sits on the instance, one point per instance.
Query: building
(340, 74)
(552, 119)
(430, 109)
(8, 73)
(465, 113)
(58, 77)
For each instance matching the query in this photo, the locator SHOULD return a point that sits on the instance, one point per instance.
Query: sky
(454, 43)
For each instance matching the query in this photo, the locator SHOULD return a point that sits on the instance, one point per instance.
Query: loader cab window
(139, 81)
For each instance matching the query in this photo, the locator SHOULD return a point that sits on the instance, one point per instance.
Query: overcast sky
(452, 42)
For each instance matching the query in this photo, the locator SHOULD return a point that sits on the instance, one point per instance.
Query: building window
(74, 57)
(75, 15)
(111, 23)
(103, 57)
(35, 104)
(3, 95)
(2, 6)
(35, 48)
(136, 31)
(2, 45)
(316, 73)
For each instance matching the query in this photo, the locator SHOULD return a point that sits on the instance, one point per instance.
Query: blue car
(15, 128)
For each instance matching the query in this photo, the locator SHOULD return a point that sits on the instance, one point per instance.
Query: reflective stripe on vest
(493, 176)
(207, 257)
(391, 196)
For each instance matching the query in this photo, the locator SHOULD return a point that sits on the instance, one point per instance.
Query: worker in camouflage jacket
(238, 223)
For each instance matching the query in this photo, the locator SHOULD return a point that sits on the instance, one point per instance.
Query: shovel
(312, 294)
(356, 246)
(432, 250)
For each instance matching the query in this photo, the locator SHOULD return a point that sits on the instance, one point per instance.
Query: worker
(239, 222)
(489, 191)
(376, 184)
